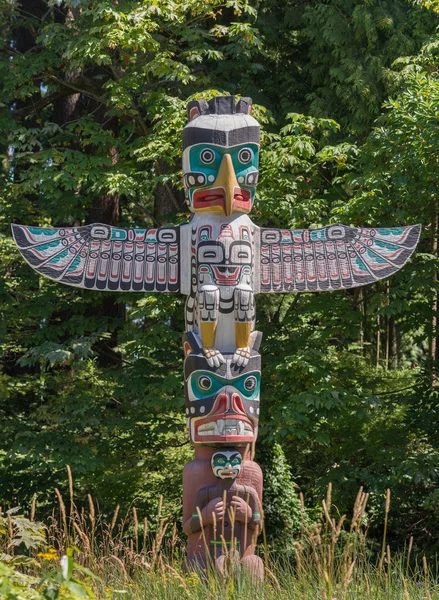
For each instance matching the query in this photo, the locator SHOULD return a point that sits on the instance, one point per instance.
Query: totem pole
(219, 260)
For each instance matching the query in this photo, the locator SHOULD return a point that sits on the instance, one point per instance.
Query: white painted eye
(205, 383)
(250, 383)
(245, 155)
(191, 180)
(207, 156)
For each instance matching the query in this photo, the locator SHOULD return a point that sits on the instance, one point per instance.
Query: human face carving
(226, 464)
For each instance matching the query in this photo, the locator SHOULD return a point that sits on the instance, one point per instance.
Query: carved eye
(205, 383)
(207, 156)
(220, 461)
(250, 383)
(235, 461)
(245, 155)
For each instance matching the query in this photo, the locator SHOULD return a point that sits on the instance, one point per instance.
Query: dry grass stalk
(328, 518)
(273, 577)
(10, 541)
(32, 508)
(62, 509)
(347, 577)
(84, 538)
(409, 552)
(70, 478)
(180, 579)
(91, 509)
(145, 532)
(366, 581)
(92, 519)
(426, 579)
(386, 519)
(174, 540)
(406, 592)
(298, 557)
(136, 528)
(119, 562)
(159, 509)
(329, 497)
(156, 546)
(200, 518)
(114, 519)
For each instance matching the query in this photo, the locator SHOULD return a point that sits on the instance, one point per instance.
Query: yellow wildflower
(51, 554)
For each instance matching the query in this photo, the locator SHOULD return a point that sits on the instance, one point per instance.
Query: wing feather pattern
(332, 257)
(100, 257)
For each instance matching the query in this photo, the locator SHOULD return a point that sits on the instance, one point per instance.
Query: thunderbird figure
(220, 259)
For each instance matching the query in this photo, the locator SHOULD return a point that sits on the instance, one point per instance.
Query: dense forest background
(92, 105)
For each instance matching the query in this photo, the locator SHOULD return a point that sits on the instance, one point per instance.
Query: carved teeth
(207, 427)
(225, 427)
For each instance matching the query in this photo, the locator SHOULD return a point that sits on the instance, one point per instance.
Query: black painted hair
(220, 105)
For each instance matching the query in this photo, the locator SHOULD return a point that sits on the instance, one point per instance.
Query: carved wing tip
(418, 229)
(15, 228)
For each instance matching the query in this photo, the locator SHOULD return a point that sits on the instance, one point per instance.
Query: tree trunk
(378, 342)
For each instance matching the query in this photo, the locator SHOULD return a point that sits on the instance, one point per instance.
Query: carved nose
(228, 403)
(237, 404)
(221, 404)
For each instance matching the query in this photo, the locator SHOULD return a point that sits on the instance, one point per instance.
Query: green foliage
(352, 46)
(284, 516)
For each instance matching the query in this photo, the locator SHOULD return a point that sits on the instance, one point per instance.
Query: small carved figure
(222, 511)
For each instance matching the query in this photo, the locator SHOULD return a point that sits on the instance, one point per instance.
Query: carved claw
(241, 356)
(214, 357)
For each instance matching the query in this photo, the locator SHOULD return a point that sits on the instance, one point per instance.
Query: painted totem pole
(219, 260)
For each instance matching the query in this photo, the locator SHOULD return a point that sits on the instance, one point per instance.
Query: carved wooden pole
(219, 260)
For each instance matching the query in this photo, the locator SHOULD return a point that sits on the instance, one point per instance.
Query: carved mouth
(225, 427)
(221, 275)
(217, 429)
(216, 197)
(227, 474)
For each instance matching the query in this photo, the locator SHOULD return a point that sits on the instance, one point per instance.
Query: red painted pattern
(225, 276)
(208, 198)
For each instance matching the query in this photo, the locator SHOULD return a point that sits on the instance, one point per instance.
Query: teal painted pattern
(204, 384)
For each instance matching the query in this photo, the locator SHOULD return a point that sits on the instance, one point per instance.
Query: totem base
(222, 517)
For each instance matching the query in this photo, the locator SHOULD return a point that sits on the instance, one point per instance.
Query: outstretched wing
(100, 257)
(333, 257)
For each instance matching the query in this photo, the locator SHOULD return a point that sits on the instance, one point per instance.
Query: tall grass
(134, 558)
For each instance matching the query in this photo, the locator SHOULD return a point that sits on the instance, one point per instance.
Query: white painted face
(226, 464)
